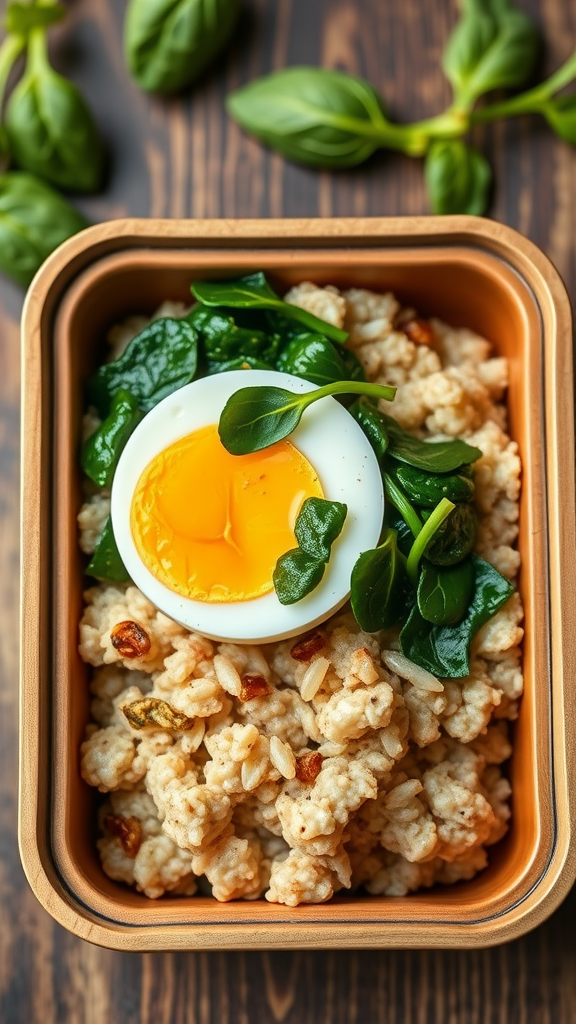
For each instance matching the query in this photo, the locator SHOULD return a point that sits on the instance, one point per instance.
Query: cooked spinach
(314, 357)
(106, 563)
(298, 572)
(373, 423)
(432, 456)
(104, 447)
(428, 489)
(444, 593)
(296, 575)
(378, 586)
(423, 541)
(456, 536)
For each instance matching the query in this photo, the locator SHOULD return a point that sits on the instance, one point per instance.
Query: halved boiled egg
(200, 530)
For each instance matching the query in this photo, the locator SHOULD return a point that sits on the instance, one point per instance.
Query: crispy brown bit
(127, 830)
(252, 687)
(130, 639)
(308, 766)
(310, 644)
(153, 711)
(419, 331)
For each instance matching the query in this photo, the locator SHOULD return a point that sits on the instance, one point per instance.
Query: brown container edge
(541, 277)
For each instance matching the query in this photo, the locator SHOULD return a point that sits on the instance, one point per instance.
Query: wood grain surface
(184, 158)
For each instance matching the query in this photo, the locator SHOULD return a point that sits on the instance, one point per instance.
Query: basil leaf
(434, 457)
(377, 586)
(318, 524)
(429, 488)
(223, 340)
(169, 43)
(455, 538)
(104, 447)
(50, 129)
(254, 292)
(445, 650)
(313, 115)
(296, 575)
(158, 361)
(458, 178)
(444, 594)
(106, 563)
(494, 46)
(560, 113)
(34, 220)
(20, 18)
(314, 358)
(255, 418)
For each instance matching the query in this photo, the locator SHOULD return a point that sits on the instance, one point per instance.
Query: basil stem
(533, 101)
(440, 513)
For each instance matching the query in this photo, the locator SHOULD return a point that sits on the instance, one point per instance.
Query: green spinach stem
(432, 524)
(398, 499)
(347, 387)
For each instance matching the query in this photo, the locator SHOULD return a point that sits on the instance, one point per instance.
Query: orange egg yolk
(210, 525)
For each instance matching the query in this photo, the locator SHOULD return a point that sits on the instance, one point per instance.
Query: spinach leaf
(378, 584)
(455, 538)
(373, 423)
(445, 650)
(314, 358)
(34, 220)
(254, 292)
(318, 524)
(313, 115)
(104, 447)
(20, 17)
(158, 361)
(494, 46)
(169, 43)
(255, 418)
(458, 178)
(223, 339)
(560, 112)
(429, 488)
(434, 456)
(296, 575)
(106, 563)
(50, 129)
(395, 521)
(241, 363)
(444, 594)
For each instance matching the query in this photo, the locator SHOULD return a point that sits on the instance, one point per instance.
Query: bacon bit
(308, 766)
(308, 646)
(252, 687)
(153, 711)
(419, 331)
(127, 830)
(130, 639)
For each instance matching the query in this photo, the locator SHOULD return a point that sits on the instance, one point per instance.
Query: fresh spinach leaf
(51, 131)
(296, 575)
(169, 43)
(255, 418)
(433, 456)
(456, 536)
(458, 178)
(106, 563)
(241, 363)
(254, 292)
(429, 488)
(314, 358)
(158, 361)
(378, 584)
(444, 593)
(104, 447)
(373, 423)
(223, 339)
(318, 524)
(445, 650)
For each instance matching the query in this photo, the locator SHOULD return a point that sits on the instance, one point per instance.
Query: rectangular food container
(468, 271)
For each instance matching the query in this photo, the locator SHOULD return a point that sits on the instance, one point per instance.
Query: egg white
(335, 446)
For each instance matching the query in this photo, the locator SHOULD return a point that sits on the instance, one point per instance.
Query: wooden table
(184, 158)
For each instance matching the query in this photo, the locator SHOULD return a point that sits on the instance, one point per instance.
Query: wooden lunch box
(470, 272)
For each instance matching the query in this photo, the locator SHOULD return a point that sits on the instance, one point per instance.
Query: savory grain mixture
(328, 761)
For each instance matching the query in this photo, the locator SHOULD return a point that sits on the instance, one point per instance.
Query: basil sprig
(257, 417)
(299, 571)
(254, 292)
(458, 178)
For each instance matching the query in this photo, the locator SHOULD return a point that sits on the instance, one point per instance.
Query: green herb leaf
(296, 575)
(444, 594)
(445, 650)
(455, 538)
(377, 585)
(373, 423)
(318, 524)
(241, 363)
(429, 488)
(106, 563)
(21, 18)
(169, 43)
(457, 177)
(50, 129)
(254, 292)
(314, 358)
(494, 46)
(560, 113)
(223, 339)
(313, 115)
(435, 456)
(158, 361)
(34, 220)
(428, 531)
(255, 418)
(104, 447)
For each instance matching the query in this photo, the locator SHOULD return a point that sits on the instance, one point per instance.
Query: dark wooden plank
(185, 158)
